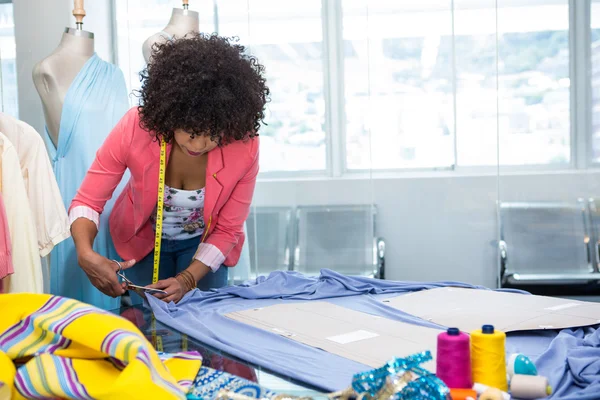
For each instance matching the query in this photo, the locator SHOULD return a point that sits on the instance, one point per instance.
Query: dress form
(53, 75)
(182, 22)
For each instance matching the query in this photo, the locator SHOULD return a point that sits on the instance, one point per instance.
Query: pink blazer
(230, 179)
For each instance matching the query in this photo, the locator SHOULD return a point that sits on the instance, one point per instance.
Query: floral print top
(183, 214)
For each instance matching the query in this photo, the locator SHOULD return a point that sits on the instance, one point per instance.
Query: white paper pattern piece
(357, 336)
(469, 309)
(352, 337)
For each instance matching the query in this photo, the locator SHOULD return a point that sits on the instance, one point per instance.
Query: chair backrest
(341, 238)
(270, 238)
(594, 212)
(545, 238)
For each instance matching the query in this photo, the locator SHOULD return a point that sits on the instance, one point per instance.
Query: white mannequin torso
(181, 23)
(53, 75)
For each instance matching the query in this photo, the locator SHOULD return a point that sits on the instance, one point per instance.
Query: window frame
(581, 84)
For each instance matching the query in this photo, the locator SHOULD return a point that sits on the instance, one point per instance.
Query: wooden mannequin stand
(79, 13)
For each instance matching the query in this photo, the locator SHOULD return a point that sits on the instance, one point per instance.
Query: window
(533, 77)
(287, 38)
(434, 84)
(415, 75)
(8, 65)
(398, 84)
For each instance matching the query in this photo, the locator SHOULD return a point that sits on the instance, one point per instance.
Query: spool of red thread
(453, 361)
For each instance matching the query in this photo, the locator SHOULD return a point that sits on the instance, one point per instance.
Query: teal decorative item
(425, 385)
(520, 364)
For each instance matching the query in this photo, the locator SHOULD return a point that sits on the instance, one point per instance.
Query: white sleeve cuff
(47, 248)
(84, 212)
(210, 256)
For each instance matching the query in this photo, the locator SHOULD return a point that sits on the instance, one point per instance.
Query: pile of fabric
(33, 219)
(54, 347)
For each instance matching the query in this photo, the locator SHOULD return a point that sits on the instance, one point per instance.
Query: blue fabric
(200, 315)
(94, 103)
(175, 256)
(570, 361)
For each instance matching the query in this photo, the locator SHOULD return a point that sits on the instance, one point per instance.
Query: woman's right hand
(102, 273)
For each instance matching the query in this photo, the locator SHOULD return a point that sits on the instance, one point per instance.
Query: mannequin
(53, 75)
(83, 97)
(182, 22)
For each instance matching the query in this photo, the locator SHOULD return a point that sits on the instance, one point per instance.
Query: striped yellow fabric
(53, 347)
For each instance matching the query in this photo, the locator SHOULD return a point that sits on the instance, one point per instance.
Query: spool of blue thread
(520, 364)
(487, 329)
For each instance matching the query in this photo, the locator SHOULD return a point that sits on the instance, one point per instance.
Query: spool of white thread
(529, 387)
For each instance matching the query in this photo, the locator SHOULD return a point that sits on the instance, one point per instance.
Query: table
(174, 341)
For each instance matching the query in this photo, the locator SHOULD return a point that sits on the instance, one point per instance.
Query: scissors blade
(122, 276)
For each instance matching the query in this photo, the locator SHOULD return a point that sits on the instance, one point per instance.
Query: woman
(205, 98)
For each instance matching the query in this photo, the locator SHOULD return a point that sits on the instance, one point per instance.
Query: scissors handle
(120, 266)
(121, 274)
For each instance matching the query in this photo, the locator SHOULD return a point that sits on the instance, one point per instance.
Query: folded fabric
(572, 364)
(209, 382)
(54, 347)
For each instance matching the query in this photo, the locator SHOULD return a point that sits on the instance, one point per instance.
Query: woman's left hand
(174, 288)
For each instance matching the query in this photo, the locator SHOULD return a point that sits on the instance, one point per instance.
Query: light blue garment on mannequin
(95, 102)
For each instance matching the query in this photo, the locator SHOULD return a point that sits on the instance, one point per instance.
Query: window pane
(398, 84)
(287, 38)
(10, 103)
(533, 74)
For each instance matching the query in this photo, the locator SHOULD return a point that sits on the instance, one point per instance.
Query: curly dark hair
(204, 85)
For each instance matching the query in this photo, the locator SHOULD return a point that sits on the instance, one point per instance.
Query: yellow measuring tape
(158, 238)
(157, 340)
(159, 209)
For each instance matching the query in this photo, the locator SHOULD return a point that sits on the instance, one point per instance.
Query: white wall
(436, 228)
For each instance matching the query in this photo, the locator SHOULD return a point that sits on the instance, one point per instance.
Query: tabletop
(169, 340)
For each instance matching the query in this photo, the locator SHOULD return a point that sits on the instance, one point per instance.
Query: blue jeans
(175, 256)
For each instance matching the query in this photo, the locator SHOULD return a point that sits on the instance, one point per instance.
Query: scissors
(136, 288)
